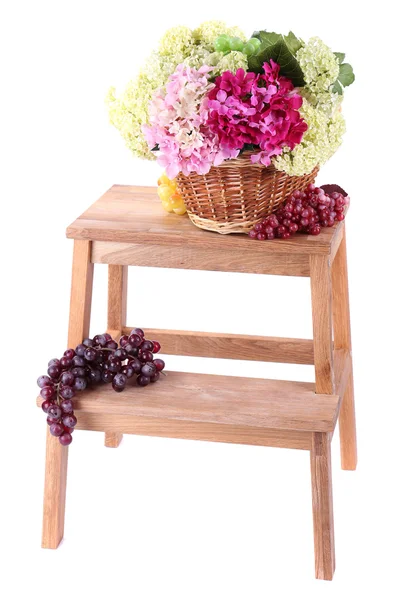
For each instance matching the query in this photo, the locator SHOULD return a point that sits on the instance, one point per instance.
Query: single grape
(123, 340)
(79, 372)
(69, 421)
(88, 343)
(249, 49)
(121, 354)
(136, 365)
(80, 384)
(100, 340)
(147, 346)
(252, 234)
(46, 405)
(155, 377)
(138, 331)
(135, 340)
(67, 378)
(56, 429)
(53, 361)
(120, 380)
(90, 354)
(270, 236)
(54, 371)
(78, 361)
(65, 363)
(146, 356)
(47, 392)
(67, 392)
(65, 438)
(111, 344)
(43, 381)
(128, 371)
(255, 42)
(142, 380)
(156, 347)
(314, 230)
(115, 365)
(70, 353)
(261, 236)
(117, 388)
(107, 376)
(94, 375)
(149, 369)
(51, 420)
(222, 43)
(159, 364)
(236, 44)
(68, 429)
(80, 350)
(67, 407)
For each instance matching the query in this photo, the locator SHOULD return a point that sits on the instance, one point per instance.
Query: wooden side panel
(227, 345)
(198, 259)
(322, 498)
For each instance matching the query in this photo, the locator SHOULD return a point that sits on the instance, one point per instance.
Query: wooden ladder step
(212, 407)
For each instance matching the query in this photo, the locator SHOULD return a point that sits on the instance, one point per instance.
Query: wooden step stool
(128, 226)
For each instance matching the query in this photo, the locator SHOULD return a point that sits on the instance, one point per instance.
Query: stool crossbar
(126, 227)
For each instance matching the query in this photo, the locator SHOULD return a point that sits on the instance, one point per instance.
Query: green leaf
(340, 56)
(346, 75)
(282, 50)
(294, 44)
(337, 87)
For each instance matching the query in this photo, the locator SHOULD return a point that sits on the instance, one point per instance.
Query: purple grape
(117, 388)
(80, 384)
(127, 371)
(54, 411)
(54, 371)
(149, 369)
(67, 407)
(115, 365)
(67, 392)
(121, 354)
(78, 372)
(80, 350)
(46, 405)
(135, 340)
(155, 377)
(120, 380)
(94, 375)
(43, 381)
(65, 438)
(100, 340)
(53, 361)
(142, 380)
(70, 353)
(51, 420)
(69, 421)
(146, 356)
(78, 361)
(123, 341)
(67, 378)
(138, 332)
(107, 376)
(147, 346)
(135, 364)
(112, 345)
(47, 392)
(65, 362)
(90, 354)
(88, 343)
(159, 364)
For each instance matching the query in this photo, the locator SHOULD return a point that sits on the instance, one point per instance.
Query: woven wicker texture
(233, 197)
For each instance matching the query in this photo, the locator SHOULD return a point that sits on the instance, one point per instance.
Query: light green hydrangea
(319, 65)
(177, 40)
(207, 32)
(231, 62)
(319, 143)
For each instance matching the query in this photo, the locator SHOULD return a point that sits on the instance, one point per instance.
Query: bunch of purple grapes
(97, 360)
(304, 212)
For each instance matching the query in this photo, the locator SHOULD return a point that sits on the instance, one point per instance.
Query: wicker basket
(233, 197)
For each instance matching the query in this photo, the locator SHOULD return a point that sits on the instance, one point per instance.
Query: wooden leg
(117, 306)
(322, 497)
(342, 340)
(320, 280)
(56, 455)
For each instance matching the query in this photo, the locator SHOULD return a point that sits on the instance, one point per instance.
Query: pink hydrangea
(178, 117)
(262, 110)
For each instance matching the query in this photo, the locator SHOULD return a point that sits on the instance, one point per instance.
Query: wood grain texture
(198, 259)
(322, 499)
(134, 214)
(320, 281)
(57, 455)
(219, 399)
(234, 346)
(190, 430)
(81, 293)
(342, 341)
(117, 311)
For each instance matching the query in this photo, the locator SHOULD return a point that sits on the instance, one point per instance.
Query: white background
(156, 518)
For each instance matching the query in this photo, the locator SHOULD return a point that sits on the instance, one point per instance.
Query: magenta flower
(262, 110)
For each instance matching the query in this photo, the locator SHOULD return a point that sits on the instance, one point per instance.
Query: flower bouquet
(239, 123)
